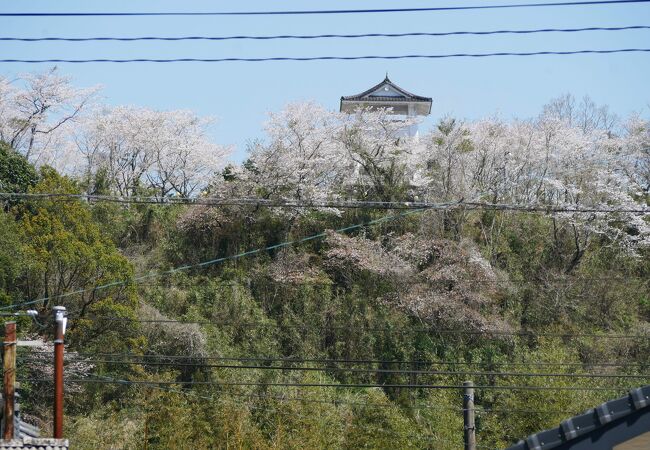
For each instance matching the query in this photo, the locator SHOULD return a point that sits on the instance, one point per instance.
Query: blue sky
(240, 94)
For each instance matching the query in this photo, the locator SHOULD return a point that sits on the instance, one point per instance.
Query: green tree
(16, 174)
(66, 252)
(11, 256)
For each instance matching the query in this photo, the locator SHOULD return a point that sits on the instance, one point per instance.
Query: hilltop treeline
(509, 298)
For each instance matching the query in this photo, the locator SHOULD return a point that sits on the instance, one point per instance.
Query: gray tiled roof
(592, 421)
(365, 96)
(22, 429)
(28, 443)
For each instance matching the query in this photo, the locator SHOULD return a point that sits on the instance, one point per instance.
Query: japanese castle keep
(388, 95)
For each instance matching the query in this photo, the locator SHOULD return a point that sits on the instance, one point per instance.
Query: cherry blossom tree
(439, 163)
(635, 154)
(379, 148)
(546, 161)
(138, 148)
(313, 154)
(301, 158)
(35, 110)
(585, 114)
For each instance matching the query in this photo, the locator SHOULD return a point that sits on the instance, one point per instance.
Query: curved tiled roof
(365, 95)
(28, 443)
(593, 423)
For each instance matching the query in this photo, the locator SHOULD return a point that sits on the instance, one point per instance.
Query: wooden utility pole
(59, 331)
(468, 416)
(9, 390)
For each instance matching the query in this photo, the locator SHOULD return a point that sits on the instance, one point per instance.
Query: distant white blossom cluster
(313, 154)
(133, 148)
(546, 161)
(37, 111)
(122, 150)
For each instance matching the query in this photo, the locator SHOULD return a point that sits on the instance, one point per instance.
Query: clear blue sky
(240, 94)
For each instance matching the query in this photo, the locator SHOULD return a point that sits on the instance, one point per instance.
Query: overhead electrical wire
(335, 401)
(340, 203)
(282, 411)
(483, 281)
(477, 409)
(366, 370)
(325, 58)
(545, 283)
(271, 359)
(341, 385)
(320, 36)
(430, 329)
(321, 11)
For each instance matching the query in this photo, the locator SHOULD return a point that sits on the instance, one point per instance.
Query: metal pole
(9, 390)
(59, 331)
(468, 416)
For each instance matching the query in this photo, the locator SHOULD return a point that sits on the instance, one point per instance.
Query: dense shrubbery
(329, 299)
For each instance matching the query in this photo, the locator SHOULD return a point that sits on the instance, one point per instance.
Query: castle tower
(388, 95)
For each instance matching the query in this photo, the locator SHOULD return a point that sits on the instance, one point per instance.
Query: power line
(540, 281)
(217, 260)
(369, 371)
(343, 204)
(322, 11)
(430, 329)
(224, 399)
(342, 385)
(326, 58)
(428, 406)
(548, 282)
(480, 410)
(324, 36)
(336, 401)
(358, 361)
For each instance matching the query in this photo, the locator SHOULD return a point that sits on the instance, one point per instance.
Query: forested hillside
(311, 305)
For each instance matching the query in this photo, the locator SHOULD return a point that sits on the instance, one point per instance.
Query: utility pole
(468, 415)
(9, 390)
(60, 322)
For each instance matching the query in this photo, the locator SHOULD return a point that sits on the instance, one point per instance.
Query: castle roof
(386, 95)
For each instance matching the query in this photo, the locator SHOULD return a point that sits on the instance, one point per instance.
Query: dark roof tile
(588, 422)
(365, 95)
